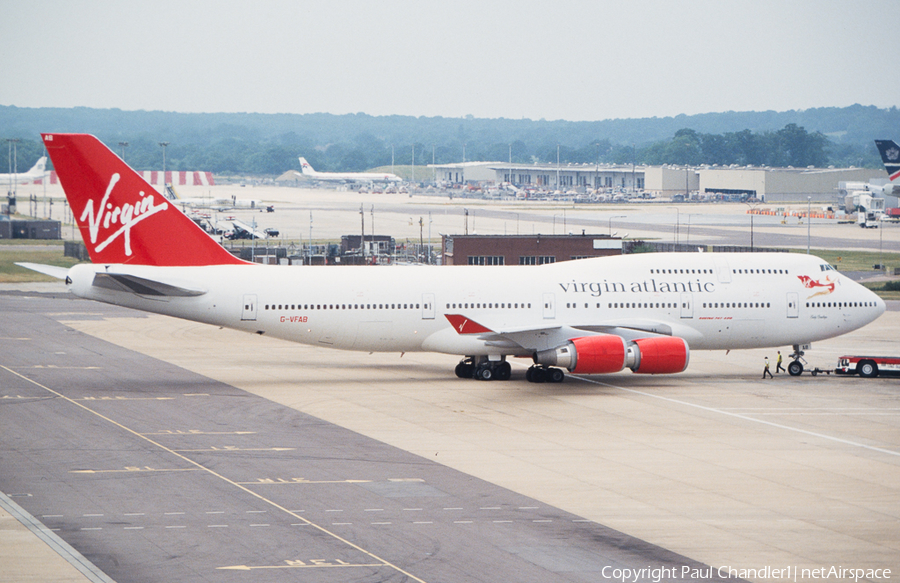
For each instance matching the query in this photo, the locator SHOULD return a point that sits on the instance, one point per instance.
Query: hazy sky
(552, 59)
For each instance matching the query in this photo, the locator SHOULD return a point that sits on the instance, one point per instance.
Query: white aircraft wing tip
(51, 270)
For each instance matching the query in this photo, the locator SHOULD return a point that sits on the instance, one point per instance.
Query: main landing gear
(544, 374)
(795, 368)
(479, 367)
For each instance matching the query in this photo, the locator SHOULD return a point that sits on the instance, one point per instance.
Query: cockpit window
(826, 267)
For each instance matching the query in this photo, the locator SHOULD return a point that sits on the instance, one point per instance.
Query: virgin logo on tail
(126, 216)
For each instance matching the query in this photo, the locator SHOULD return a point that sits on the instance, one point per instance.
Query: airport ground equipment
(868, 366)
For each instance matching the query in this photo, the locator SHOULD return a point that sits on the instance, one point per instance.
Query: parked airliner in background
(346, 177)
(890, 156)
(643, 311)
(217, 204)
(35, 173)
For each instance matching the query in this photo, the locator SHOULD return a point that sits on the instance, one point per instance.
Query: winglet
(464, 325)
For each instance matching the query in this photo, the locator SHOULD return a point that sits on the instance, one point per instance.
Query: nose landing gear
(795, 368)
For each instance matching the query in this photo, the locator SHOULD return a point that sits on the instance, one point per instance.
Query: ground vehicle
(868, 366)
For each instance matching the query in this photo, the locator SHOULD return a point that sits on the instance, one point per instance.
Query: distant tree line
(268, 145)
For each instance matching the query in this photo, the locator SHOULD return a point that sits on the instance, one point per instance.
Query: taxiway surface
(149, 472)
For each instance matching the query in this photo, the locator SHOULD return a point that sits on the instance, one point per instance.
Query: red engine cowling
(659, 355)
(587, 355)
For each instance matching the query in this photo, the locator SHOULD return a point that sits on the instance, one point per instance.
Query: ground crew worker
(778, 367)
(766, 370)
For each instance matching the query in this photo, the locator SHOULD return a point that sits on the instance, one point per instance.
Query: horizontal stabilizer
(51, 270)
(142, 286)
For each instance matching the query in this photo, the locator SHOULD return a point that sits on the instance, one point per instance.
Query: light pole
(751, 224)
(123, 145)
(677, 222)
(808, 220)
(611, 220)
(164, 144)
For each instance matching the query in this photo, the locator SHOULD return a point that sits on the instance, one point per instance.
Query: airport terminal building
(769, 184)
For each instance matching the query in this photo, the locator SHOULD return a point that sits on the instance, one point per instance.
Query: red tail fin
(122, 218)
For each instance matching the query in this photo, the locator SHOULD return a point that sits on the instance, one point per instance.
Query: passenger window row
(840, 304)
(342, 306)
(501, 305)
(737, 305)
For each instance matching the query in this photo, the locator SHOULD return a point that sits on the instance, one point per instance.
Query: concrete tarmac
(145, 459)
(133, 469)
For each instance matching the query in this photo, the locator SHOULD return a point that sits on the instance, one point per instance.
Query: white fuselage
(36, 172)
(713, 301)
(350, 176)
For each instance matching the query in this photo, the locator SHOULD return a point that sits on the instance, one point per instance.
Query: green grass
(843, 260)
(881, 288)
(11, 273)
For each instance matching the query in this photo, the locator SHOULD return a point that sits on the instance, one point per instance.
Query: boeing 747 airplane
(345, 177)
(644, 312)
(36, 172)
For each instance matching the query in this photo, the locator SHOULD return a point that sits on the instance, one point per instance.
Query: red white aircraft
(591, 316)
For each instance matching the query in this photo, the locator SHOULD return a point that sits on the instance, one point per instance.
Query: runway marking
(26, 397)
(53, 366)
(279, 481)
(197, 432)
(381, 562)
(235, 448)
(128, 469)
(744, 417)
(312, 564)
(116, 398)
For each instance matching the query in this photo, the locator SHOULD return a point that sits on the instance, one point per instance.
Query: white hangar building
(769, 184)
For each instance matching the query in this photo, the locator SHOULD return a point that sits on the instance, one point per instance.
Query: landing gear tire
(503, 371)
(484, 374)
(465, 370)
(867, 369)
(542, 374)
(795, 368)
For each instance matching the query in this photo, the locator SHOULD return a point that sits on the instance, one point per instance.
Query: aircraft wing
(51, 270)
(143, 286)
(545, 337)
(125, 282)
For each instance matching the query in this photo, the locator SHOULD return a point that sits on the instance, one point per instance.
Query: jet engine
(659, 355)
(587, 355)
(610, 353)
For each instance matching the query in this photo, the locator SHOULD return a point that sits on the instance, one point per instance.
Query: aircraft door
(687, 305)
(428, 306)
(793, 305)
(249, 311)
(723, 272)
(549, 306)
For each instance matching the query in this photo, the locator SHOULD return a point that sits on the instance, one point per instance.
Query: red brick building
(525, 249)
